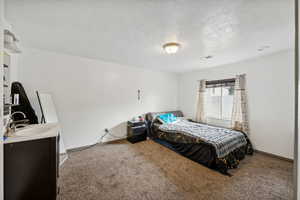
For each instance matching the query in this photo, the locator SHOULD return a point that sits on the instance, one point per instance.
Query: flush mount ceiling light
(171, 48)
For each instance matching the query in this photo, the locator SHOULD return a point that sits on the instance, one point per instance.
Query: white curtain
(200, 112)
(239, 120)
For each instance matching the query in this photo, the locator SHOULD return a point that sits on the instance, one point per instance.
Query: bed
(218, 148)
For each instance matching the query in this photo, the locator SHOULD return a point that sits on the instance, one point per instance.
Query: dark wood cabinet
(31, 169)
(136, 131)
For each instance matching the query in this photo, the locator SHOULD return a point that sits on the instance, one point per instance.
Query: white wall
(91, 95)
(14, 65)
(270, 86)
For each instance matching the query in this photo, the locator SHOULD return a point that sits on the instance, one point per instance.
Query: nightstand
(136, 131)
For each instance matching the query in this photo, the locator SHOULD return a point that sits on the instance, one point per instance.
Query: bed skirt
(205, 154)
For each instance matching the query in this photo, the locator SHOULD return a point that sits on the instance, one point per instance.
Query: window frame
(220, 84)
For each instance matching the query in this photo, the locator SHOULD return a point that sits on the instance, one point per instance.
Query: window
(219, 101)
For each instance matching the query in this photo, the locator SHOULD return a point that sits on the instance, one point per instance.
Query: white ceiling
(132, 32)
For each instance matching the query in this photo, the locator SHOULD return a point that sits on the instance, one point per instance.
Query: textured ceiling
(132, 32)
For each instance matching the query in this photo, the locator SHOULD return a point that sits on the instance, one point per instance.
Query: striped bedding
(222, 139)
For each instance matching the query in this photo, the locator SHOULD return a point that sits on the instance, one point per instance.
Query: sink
(34, 132)
(36, 129)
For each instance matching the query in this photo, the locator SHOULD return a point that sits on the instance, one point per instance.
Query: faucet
(18, 112)
(12, 125)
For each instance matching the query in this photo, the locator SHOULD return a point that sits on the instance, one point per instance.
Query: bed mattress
(222, 139)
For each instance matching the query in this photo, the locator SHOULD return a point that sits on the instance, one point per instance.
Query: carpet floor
(150, 171)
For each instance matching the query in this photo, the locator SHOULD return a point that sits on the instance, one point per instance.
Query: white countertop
(34, 132)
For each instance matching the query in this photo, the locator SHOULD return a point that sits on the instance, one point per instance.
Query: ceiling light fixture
(171, 48)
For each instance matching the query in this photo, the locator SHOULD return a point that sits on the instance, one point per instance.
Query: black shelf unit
(136, 131)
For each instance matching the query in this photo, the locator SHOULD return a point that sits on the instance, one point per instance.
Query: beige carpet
(147, 170)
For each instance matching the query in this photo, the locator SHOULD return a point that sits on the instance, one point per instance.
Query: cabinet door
(30, 170)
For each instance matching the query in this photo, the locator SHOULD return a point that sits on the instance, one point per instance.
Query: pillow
(167, 118)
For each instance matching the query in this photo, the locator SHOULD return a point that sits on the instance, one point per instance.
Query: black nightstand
(136, 131)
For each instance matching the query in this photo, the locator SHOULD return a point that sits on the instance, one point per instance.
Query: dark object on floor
(25, 106)
(136, 131)
(31, 169)
(201, 152)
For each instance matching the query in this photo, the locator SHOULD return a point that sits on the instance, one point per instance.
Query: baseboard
(91, 145)
(62, 158)
(113, 140)
(80, 148)
(274, 156)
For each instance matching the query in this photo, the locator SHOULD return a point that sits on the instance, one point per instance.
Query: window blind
(220, 83)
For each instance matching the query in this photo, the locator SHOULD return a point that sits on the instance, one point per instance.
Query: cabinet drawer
(137, 138)
(137, 123)
(138, 129)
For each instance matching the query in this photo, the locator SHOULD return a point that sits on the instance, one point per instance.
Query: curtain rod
(244, 74)
(228, 79)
